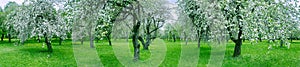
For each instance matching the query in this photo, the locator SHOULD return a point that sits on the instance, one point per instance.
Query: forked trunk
(136, 45)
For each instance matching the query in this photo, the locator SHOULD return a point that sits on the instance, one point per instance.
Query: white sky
(4, 2)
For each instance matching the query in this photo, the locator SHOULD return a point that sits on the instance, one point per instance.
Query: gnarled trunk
(135, 42)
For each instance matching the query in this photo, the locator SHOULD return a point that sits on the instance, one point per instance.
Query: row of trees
(84, 19)
(242, 19)
(237, 19)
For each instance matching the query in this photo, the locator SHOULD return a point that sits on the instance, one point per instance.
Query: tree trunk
(49, 46)
(199, 42)
(127, 39)
(185, 38)
(136, 46)
(237, 48)
(238, 42)
(109, 40)
(291, 38)
(135, 42)
(143, 42)
(199, 37)
(60, 41)
(174, 37)
(39, 40)
(91, 40)
(260, 40)
(281, 43)
(9, 38)
(148, 41)
(2, 37)
(81, 41)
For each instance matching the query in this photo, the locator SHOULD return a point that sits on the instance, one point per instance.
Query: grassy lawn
(34, 54)
(162, 53)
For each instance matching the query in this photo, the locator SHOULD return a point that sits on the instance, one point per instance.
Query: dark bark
(238, 42)
(199, 38)
(174, 37)
(135, 42)
(9, 38)
(60, 41)
(109, 40)
(49, 46)
(291, 38)
(237, 48)
(39, 40)
(2, 37)
(143, 42)
(281, 43)
(81, 41)
(260, 40)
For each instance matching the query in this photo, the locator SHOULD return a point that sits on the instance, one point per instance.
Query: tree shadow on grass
(35, 50)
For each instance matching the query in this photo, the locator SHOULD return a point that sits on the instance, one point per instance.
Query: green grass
(32, 54)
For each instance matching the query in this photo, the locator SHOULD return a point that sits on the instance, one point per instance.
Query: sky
(4, 2)
(172, 1)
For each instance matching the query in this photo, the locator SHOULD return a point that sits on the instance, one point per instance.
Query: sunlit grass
(33, 54)
(253, 55)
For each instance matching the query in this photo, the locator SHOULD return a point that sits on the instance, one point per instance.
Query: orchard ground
(34, 54)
